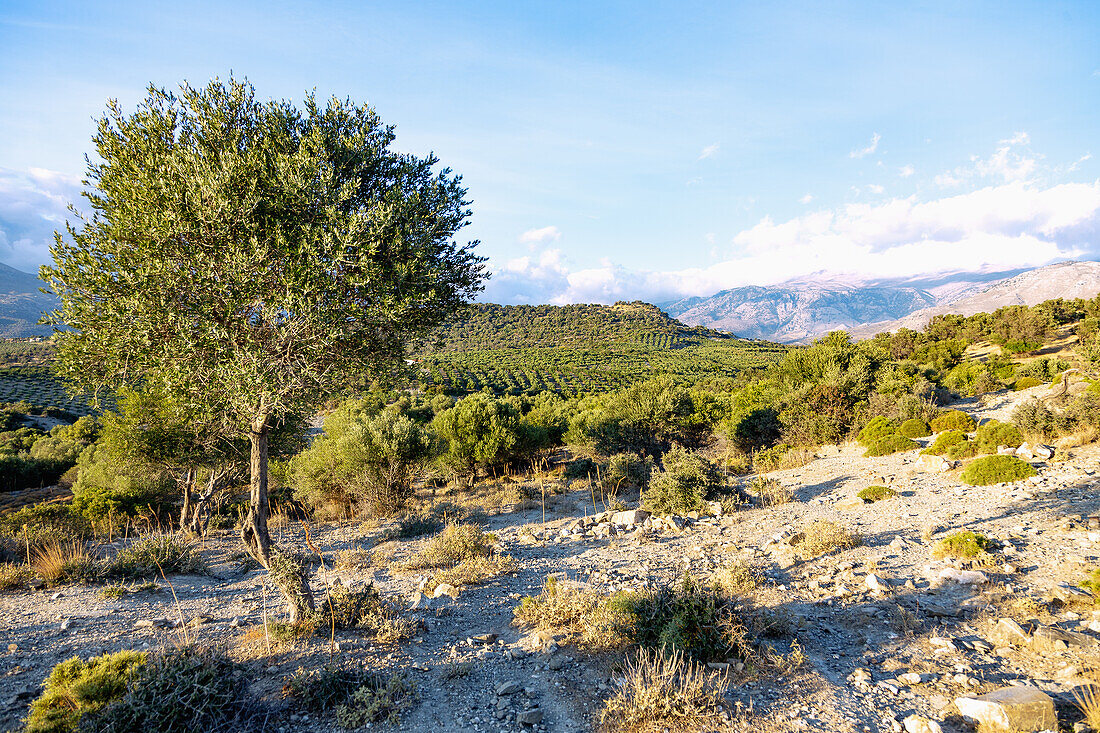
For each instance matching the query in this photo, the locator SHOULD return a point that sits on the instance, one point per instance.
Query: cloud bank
(998, 227)
(33, 205)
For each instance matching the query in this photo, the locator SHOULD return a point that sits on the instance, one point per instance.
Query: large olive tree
(252, 257)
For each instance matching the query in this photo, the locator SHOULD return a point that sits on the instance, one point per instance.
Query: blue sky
(622, 150)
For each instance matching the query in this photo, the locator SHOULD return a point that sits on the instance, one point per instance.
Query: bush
(944, 441)
(878, 428)
(628, 469)
(582, 468)
(147, 557)
(684, 485)
(822, 537)
(994, 434)
(457, 542)
(995, 470)
(953, 420)
(58, 561)
(964, 545)
(871, 494)
(44, 523)
(1026, 383)
(13, 577)
(76, 688)
(178, 691)
(1035, 418)
(769, 492)
(110, 487)
(914, 428)
(890, 444)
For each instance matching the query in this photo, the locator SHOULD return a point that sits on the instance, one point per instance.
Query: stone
(483, 639)
(445, 589)
(1019, 708)
(1049, 638)
(860, 678)
(850, 502)
(963, 577)
(200, 620)
(508, 688)
(630, 517)
(558, 661)
(911, 678)
(920, 724)
(933, 464)
(531, 716)
(1069, 593)
(1009, 633)
(876, 584)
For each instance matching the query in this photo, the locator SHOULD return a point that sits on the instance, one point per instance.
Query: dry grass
(57, 560)
(474, 571)
(357, 559)
(663, 691)
(769, 492)
(1087, 697)
(456, 543)
(1082, 436)
(737, 578)
(822, 537)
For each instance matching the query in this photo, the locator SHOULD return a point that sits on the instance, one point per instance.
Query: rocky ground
(887, 632)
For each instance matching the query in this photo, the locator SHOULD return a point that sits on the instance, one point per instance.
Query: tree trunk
(287, 573)
(187, 511)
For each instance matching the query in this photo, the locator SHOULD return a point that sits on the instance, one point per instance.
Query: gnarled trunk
(287, 573)
(188, 488)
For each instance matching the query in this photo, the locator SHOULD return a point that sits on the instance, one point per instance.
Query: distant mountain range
(792, 312)
(800, 311)
(22, 304)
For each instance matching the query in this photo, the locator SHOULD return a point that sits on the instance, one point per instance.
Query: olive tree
(250, 257)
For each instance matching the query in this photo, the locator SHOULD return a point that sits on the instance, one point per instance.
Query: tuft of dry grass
(737, 578)
(822, 537)
(475, 571)
(58, 561)
(457, 542)
(1087, 698)
(663, 691)
(769, 492)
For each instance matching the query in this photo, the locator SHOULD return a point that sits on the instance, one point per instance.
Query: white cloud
(875, 188)
(806, 199)
(33, 205)
(906, 170)
(863, 152)
(1077, 164)
(1007, 163)
(538, 236)
(708, 151)
(998, 227)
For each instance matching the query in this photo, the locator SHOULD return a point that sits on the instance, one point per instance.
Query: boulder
(1009, 633)
(933, 464)
(630, 517)
(1019, 708)
(445, 589)
(920, 724)
(1049, 638)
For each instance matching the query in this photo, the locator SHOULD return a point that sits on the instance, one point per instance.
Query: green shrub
(150, 555)
(1035, 418)
(180, 691)
(44, 522)
(684, 485)
(995, 470)
(914, 428)
(581, 468)
(878, 428)
(890, 444)
(13, 577)
(628, 469)
(76, 688)
(944, 441)
(964, 545)
(994, 434)
(871, 494)
(355, 696)
(770, 492)
(961, 451)
(1091, 583)
(953, 420)
(109, 487)
(1026, 383)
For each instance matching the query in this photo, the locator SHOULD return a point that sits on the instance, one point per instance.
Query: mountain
(1060, 280)
(795, 312)
(22, 304)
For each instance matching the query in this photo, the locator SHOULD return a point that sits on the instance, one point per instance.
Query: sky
(631, 150)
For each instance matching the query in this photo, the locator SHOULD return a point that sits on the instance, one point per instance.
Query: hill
(22, 304)
(577, 348)
(1061, 280)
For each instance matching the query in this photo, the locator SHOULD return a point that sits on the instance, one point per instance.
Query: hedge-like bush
(876, 493)
(944, 441)
(995, 433)
(1026, 383)
(914, 428)
(890, 444)
(953, 420)
(878, 428)
(996, 470)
